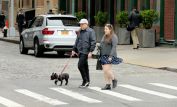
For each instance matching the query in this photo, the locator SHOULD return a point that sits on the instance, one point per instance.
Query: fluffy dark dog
(61, 77)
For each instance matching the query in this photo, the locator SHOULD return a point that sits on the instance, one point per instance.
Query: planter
(146, 38)
(99, 31)
(123, 36)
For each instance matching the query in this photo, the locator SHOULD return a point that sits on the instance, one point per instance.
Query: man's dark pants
(83, 67)
(20, 29)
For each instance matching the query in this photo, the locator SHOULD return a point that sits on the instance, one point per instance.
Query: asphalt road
(25, 82)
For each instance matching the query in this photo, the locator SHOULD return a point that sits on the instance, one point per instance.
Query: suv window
(60, 21)
(38, 22)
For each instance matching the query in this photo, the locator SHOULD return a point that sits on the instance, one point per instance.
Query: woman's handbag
(98, 64)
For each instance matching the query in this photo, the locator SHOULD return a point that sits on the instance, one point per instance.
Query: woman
(109, 56)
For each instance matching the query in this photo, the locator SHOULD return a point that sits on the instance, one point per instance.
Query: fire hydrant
(5, 31)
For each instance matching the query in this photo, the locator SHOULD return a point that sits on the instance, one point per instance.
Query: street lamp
(12, 28)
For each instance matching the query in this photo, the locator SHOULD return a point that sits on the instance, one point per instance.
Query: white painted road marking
(122, 96)
(164, 86)
(40, 97)
(76, 95)
(9, 103)
(168, 96)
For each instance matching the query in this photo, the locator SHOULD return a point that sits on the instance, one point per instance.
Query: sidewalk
(12, 39)
(158, 57)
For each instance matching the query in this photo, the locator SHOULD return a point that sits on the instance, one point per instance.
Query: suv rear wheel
(22, 49)
(37, 49)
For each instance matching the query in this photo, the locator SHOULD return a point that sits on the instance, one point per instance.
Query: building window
(19, 3)
(26, 3)
(153, 4)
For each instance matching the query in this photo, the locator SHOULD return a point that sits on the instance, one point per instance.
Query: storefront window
(153, 4)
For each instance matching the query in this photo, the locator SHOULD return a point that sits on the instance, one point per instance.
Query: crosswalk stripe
(40, 97)
(122, 96)
(76, 95)
(9, 103)
(164, 95)
(164, 86)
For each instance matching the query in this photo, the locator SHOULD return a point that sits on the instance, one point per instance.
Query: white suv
(49, 33)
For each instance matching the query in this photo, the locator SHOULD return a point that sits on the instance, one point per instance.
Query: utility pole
(0, 6)
(73, 7)
(12, 28)
(89, 7)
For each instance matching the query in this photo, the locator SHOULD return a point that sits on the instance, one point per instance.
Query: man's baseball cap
(82, 21)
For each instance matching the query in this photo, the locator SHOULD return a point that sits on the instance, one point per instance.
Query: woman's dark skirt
(105, 60)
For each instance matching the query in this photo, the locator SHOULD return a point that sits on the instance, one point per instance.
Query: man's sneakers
(84, 85)
(107, 87)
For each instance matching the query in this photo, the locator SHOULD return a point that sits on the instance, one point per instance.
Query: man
(135, 20)
(20, 20)
(2, 20)
(84, 46)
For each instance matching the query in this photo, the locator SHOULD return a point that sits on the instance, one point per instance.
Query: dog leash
(66, 64)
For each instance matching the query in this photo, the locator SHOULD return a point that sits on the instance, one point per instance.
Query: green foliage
(101, 18)
(80, 15)
(122, 19)
(148, 17)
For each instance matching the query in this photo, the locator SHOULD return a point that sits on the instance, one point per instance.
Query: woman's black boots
(114, 83)
(107, 87)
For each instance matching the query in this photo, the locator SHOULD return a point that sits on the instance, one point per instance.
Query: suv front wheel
(22, 49)
(37, 49)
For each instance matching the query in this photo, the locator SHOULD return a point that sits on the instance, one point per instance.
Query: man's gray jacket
(85, 42)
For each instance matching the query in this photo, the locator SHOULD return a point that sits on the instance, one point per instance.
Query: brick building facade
(169, 13)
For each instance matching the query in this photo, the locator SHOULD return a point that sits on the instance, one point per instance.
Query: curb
(169, 69)
(11, 41)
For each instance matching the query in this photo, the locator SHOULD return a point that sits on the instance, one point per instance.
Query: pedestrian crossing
(164, 95)
(85, 98)
(9, 103)
(122, 96)
(76, 95)
(40, 97)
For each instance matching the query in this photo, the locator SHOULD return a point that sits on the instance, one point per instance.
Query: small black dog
(61, 77)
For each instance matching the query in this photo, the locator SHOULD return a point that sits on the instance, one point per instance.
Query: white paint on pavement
(9, 103)
(164, 95)
(76, 95)
(40, 97)
(121, 96)
(164, 86)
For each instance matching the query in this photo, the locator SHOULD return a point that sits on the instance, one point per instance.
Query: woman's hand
(90, 55)
(110, 59)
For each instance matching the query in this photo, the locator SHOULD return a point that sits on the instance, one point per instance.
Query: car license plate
(65, 32)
